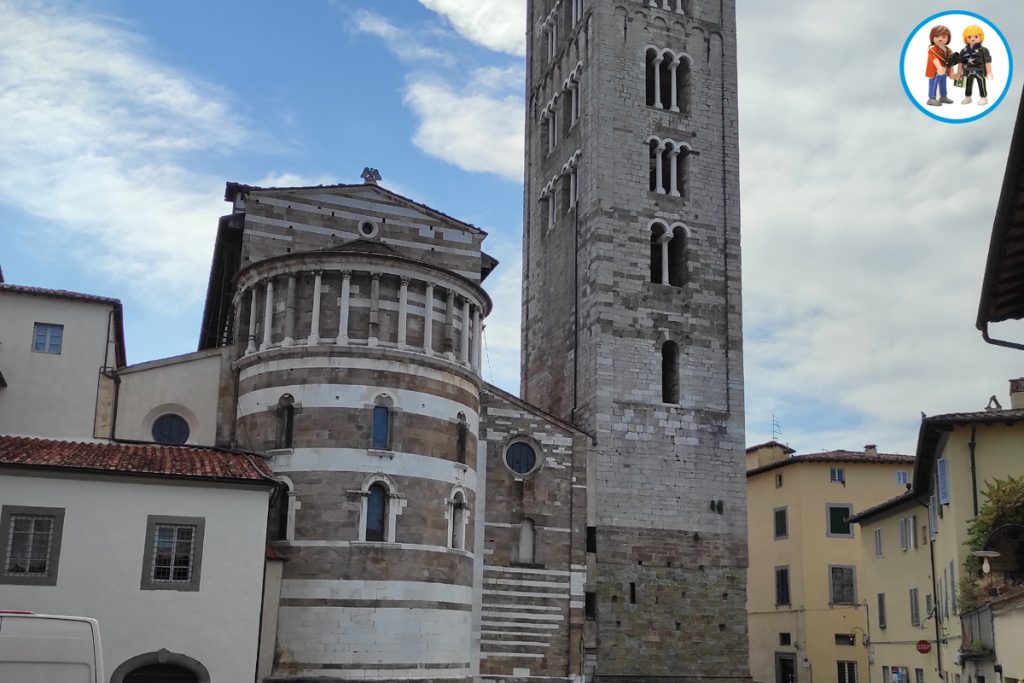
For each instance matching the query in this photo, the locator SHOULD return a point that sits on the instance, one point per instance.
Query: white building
(163, 545)
(54, 347)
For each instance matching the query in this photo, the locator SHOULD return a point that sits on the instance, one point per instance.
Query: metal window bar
(173, 552)
(28, 546)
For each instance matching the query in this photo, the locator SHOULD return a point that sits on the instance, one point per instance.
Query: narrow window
(887, 675)
(527, 545)
(781, 523)
(376, 512)
(47, 338)
(952, 585)
(842, 586)
(846, 672)
(651, 70)
(677, 257)
(666, 74)
(785, 639)
(545, 141)
(458, 536)
(590, 605)
(929, 606)
(878, 542)
(778, 481)
(915, 608)
(565, 182)
(683, 85)
(655, 166)
(881, 611)
(904, 540)
(657, 247)
(632, 593)
(681, 172)
(591, 539)
(461, 438)
(381, 425)
(670, 372)
(286, 416)
(918, 675)
(782, 585)
(942, 478)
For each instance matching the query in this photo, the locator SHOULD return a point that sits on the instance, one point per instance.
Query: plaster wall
(101, 565)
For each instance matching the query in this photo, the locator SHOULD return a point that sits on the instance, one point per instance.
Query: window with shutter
(843, 590)
(782, 586)
(942, 476)
(881, 611)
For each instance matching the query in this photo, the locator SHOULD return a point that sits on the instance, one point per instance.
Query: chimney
(1017, 393)
(870, 449)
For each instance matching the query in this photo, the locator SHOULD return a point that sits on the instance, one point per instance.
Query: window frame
(837, 475)
(785, 523)
(149, 583)
(53, 553)
(828, 520)
(883, 621)
(915, 607)
(50, 328)
(783, 570)
(538, 456)
(831, 584)
(879, 547)
(169, 415)
(902, 477)
(850, 667)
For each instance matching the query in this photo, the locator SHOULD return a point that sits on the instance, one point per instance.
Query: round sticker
(956, 66)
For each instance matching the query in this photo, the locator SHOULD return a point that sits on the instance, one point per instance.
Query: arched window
(682, 78)
(658, 237)
(655, 168)
(376, 512)
(527, 543)
(381, 428)
(286, 420)
(678, 274)
(461, 438)
(653, 63)
(670, 372)
(457, 535)
(679, 175)
(161, 672)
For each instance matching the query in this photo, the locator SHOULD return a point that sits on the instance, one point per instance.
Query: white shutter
(942, 474)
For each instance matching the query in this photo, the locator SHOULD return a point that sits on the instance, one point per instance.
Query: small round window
(368, 229)
(170, 429)
(521, 458)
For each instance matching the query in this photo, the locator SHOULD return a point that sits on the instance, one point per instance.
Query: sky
(865, 223)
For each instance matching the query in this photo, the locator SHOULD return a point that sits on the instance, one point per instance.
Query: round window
(521, 458)
(170, 429)
(368, 229)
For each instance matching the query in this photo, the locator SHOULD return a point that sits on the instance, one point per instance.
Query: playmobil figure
(938, 54)
(975, 63)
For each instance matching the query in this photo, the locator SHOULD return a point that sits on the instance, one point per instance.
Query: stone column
(477, 338)
(674, 172)
(403, 310)
(343, 300)
(268, 315)
(464, 354)
(659, 173)
(664, 256)
(428, 321)
(289, 313)
(373, 336)
(572, 188)
(657, 81)
(251, 348)
(449, 326)
(675, 79)
(314, 326)
(679, 6)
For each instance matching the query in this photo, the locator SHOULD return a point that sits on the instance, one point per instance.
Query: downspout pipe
(974, 469)
(935, 592)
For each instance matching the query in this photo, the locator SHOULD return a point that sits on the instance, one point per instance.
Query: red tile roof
(134, 458)
(839, 457)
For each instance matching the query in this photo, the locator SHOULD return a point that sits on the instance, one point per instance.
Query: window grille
(28, 545)
(173, 553)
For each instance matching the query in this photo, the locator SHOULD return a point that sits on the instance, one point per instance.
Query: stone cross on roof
(370, 175)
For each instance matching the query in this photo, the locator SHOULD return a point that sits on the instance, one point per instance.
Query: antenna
(776, 427)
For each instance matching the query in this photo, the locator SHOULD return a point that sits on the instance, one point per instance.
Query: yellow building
(957, 455)
(808, 617)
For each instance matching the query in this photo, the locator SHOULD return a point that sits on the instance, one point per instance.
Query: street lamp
(985, 553)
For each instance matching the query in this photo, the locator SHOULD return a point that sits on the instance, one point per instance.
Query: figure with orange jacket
(938, 55)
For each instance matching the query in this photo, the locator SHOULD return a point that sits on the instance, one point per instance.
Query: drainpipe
(111, 373)
(935, 593)
(974, 470)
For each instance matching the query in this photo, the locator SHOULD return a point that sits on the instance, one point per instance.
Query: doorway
(161, 673)
(785, 668)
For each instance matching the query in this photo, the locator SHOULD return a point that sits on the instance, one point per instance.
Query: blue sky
(865, 224)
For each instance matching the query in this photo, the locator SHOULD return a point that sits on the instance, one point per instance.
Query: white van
(37, 648)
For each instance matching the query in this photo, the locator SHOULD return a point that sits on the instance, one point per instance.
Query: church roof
(361, 247)
(233, 189)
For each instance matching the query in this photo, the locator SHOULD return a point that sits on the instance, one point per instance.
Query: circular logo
(956, 66)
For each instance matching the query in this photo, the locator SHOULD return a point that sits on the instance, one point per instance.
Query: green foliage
(1004, 504)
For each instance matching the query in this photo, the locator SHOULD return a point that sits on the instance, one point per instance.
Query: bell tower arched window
(677, 258)
(376, 512)
(457, 533)
(670, 372)
(658, 237)
(527, 542)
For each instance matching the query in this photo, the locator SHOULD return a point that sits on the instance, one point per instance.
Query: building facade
(808, 610)
(631, 316)
(966, 616)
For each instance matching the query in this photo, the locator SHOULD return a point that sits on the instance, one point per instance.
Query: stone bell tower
(632, 318)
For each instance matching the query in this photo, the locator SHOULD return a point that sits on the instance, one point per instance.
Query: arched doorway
(161, 673)
(161, 667)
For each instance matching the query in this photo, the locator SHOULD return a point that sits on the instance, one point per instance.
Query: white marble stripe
(519, 624)
(541, 608)
(360, 544)
(524, 583)
(355, 363)
(523, 615)
(394, 463)
(268, 235)
(356, 589)
(511, 643)
(521, 570)
(511, 655)
(371, 674)
(506, 525)
(526, 594)
(518, 634)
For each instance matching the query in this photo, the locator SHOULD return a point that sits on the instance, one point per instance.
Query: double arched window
(669, 254)
(668, 79)
(669, 166)
(458, 516)
(668, 5)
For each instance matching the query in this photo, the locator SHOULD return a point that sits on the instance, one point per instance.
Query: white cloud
(495, 24)
(405, 44)
(476, 131)
(93, 142)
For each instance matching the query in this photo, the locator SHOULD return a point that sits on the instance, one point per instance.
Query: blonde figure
(975, 64)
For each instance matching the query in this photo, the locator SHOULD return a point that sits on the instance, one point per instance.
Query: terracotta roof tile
(58, 294)
(133, 458)
(839, 457)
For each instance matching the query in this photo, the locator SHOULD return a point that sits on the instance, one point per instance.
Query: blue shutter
(942, 473)
(380, 427)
